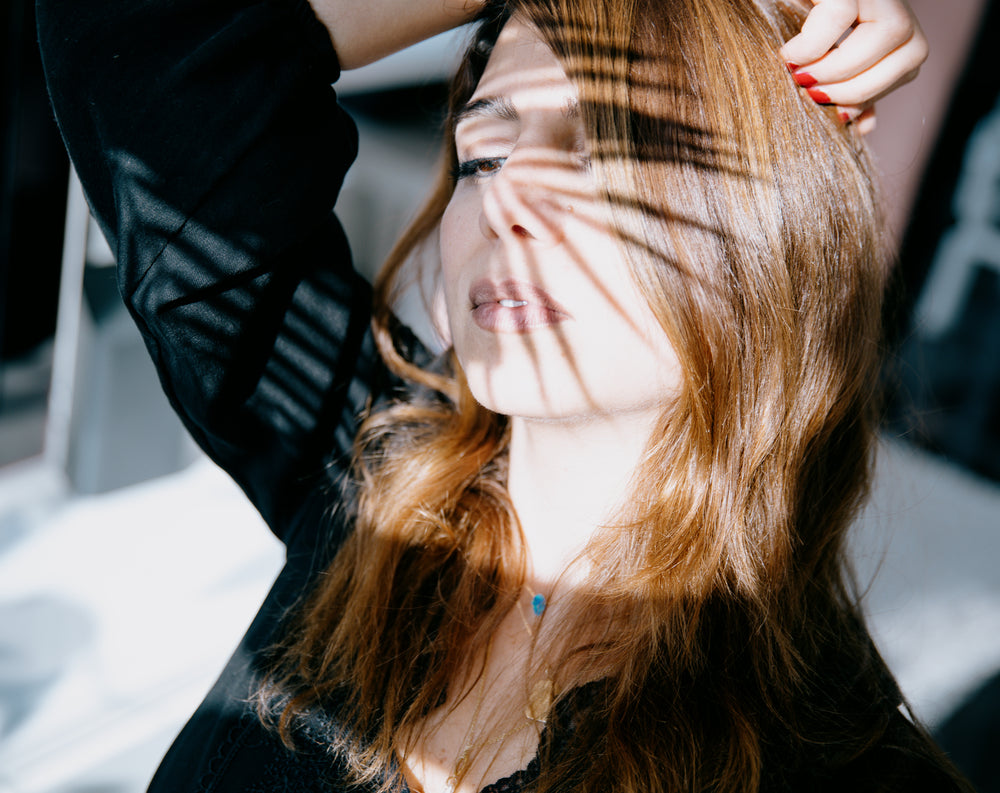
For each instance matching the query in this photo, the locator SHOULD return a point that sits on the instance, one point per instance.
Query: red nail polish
(844, 116)
(805, 79)
(819, 96)
(792, 66)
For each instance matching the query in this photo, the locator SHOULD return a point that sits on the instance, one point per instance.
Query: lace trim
(228, 747)
(517, 782)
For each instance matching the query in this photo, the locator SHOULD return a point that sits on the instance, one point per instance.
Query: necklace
(538, 604)
(462, 762)
(536, 710)
(540, 698)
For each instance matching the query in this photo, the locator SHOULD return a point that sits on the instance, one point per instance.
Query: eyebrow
(502, 108)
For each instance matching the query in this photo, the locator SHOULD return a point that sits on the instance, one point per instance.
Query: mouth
(513, 306)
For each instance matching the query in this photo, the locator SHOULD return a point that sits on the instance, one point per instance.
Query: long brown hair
(751, 220)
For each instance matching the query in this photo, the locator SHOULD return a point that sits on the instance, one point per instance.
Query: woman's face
(543, 312)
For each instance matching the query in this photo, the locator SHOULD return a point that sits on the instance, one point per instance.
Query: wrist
(366, 31)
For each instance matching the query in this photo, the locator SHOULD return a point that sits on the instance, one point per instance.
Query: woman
(602, 548)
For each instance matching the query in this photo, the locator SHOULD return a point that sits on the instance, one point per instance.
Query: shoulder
(246, 757)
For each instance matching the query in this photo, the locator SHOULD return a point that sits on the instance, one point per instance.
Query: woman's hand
(881, 47)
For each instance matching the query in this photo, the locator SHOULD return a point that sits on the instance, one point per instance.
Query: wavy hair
(733, 651)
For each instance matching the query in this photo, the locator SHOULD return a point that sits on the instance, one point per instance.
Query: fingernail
(819, 96)
(792, 66)
(805, 79)
(844, 116)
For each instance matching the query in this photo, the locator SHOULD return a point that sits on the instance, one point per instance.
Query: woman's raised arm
(212, 149)
(366, 30)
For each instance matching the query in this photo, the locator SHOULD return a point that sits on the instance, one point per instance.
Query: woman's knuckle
(920, 46)
(898, 30)
(845, 14)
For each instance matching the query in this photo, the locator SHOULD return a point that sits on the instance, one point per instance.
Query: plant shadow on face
(748, 223)
(739, 210)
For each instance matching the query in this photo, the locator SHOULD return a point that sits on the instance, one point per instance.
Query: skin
(582, 386)
(363, 31)
(881, 44)
(882, 50)
(530, 219)
(881, 47)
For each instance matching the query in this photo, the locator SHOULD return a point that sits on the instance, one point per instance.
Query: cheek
(454, 246)
(455, 240)
(638, 331)
(459, 222)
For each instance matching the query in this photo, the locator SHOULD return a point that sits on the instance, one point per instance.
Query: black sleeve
(211, 149)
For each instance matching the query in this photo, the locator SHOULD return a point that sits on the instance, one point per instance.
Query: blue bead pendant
(538, 605)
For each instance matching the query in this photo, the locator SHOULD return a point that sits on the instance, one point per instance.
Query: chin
(561, 399)
(521, 399)
(547, 378)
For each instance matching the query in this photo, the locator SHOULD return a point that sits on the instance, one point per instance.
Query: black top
(211, 149)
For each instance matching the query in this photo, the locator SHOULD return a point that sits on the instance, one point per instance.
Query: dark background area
(33, 195)
(33, 179)
(945, 387)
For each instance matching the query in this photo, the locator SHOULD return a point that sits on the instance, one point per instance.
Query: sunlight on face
(543, 312)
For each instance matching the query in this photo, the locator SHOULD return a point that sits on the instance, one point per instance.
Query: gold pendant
(540, 701)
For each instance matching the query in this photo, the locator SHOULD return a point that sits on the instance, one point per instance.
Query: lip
(539, 309)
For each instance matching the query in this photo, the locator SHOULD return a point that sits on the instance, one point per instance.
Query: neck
(569, 478)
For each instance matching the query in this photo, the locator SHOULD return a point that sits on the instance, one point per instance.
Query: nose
(522, 204)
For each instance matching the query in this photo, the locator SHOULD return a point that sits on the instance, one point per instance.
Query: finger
(852, 114)
(872, 84)
(865, 123)
(866, 46)
(849, 113)
(824, 26)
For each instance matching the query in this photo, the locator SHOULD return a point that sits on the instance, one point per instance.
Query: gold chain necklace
(542, 693)
(535, 711)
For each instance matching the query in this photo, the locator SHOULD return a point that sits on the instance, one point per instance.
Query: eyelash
(470, 169)
(474, 168)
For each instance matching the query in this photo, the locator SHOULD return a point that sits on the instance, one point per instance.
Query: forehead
(525, 71)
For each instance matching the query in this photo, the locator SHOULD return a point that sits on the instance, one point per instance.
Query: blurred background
(130, 566)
